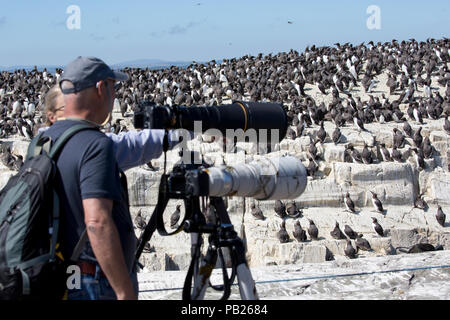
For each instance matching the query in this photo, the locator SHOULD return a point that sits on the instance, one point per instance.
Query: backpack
(31, 267)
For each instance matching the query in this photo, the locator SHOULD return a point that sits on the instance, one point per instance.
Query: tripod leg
(247, 287)
(201, 278)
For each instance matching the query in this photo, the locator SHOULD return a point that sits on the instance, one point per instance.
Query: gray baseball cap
(85, 72)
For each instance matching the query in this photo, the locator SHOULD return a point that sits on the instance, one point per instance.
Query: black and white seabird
(280, 209)
(292, 210)
(398, 139)
(312, 167)
(362, 244)
(139, 221)
(257, 212)
(407, 129)
(336, 233)
(427, 148)
(417, 115)
(358, 123)
(282, 234)
(366, 155)
(377, 203)
(447, 125)
(313, 231)
(420, 161)
(419, 248)
(377, 227)
(420, 203)
(440, 216)
(350, 232)
(18, 162)
(175, 217)
(417, 138)
(337, 135)
(349, 204)
(356, 156)
(385, 153)
(299, 233)
(349, 250)
(397, 155)
(291, 134)
(321, 133)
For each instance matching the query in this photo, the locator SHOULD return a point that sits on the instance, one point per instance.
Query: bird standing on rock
(313, 231)
(321, 134)
(282, 234)
(299, 234)
(420, 161)
(366, 155)
(377, 227)
(420, 203)
(359, 124)
(349, 232)
(385, 153)
(292, 210)
(175, 217)
(336, 233)
(337, 135)
(356, 156)
(349, 204)
(417, 138)
(399, 139)
(447, 125)
(362, 244)
(397, 155)
(440, 216)
(407, 128)
(376, 202)
(427, 148)
(280, 209)
(139, 221)
(349, 250)
(257, 212)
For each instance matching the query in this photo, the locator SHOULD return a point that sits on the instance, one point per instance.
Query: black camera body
(187, 180)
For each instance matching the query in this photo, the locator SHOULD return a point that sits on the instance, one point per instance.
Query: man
(131, 148)
(89, 178)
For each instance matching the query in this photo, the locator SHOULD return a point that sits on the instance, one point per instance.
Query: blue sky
(35, 32)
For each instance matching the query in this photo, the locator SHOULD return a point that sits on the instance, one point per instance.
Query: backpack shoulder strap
(37, 144)
(66, 136)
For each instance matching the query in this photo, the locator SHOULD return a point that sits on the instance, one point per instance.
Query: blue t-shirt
(87, 168)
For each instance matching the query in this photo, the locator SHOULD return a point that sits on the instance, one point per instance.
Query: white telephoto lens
(262, 179)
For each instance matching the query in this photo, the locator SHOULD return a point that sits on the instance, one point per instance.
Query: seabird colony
(348, 95)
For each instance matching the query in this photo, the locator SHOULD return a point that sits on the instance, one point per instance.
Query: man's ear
(51, 117)
(99, 86)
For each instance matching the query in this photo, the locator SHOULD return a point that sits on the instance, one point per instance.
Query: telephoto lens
(266, 119)
(263, 179)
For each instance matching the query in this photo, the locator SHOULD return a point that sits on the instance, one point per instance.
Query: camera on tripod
(265, 178)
